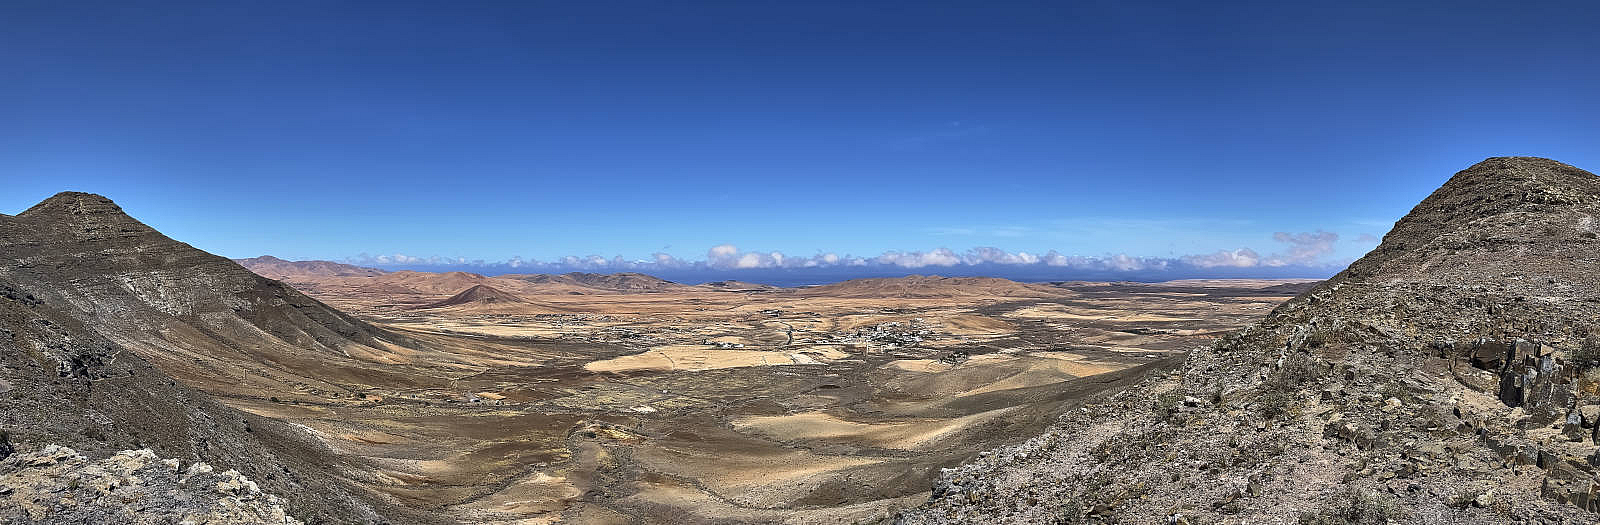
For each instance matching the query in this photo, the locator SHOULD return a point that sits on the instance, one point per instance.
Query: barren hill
(478, 295)
(198, 316)
(433, 283)
(1447, 377)
(275, 268)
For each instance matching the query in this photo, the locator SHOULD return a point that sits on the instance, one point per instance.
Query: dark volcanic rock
(1430, 382)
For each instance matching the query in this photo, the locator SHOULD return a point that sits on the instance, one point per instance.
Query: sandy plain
(628, 402)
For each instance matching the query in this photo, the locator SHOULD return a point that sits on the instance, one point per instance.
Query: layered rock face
(1449, 376)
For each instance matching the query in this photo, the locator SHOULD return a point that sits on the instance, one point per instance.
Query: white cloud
(1302, 249)
(1305, 249)
(1240, 258)
(939, 257)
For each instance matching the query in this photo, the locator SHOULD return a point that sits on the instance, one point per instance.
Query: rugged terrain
(742, 402)
(75, 334)
(457, 397)
(1447, 377)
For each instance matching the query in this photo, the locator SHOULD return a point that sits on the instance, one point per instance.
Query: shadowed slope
(65, 384)
(201, 317)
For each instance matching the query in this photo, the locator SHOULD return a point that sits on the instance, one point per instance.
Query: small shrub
(1299, 369)
(1587, 355)
(1282, 390)
(1396, 390)
(1168, 402)
(1356, 507)
(1275, 404)
(1589, 383)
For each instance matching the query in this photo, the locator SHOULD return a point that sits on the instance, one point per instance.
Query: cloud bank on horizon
(1302, 255)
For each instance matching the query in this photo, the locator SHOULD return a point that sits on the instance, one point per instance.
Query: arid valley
(799, 263)
(611, 398)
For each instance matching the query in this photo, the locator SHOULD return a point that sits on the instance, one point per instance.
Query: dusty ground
(561, 402)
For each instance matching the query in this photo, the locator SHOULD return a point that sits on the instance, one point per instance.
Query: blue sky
(539, 130)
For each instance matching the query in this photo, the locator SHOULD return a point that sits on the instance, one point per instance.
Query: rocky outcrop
(1445, 377)
(58, 485)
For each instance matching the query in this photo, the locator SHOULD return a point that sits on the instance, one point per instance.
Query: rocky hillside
(64, 384)
(89, 297)
(1450, 376)
(198, 316)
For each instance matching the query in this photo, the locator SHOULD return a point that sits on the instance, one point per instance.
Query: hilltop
(203, 318)
(478, 295)
(1446, 377)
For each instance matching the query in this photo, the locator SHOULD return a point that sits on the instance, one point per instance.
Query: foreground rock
(1447, 377)
(57, 485)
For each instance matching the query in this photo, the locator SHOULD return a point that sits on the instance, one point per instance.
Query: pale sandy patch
(973, 324)
(918, 365)
(903, 435)
(1045, 369)
(762, 480)
(1056, 311)
(532, 499)
(690, 358)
